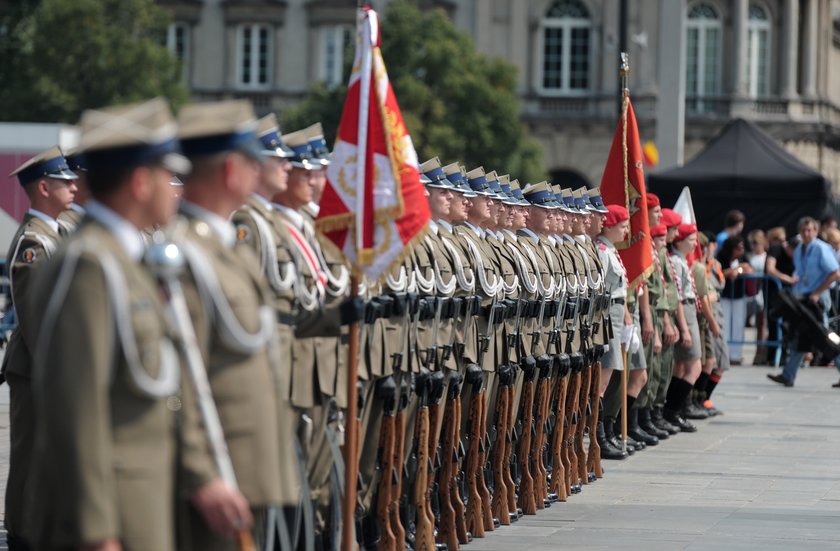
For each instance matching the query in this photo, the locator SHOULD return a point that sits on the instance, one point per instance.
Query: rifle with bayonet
(572, 398)
(479, 516)
(447, 529)
(386, 391)
(424, 539)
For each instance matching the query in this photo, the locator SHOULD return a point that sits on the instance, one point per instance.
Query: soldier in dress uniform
(106, 374)
(318, 383)
(71, 217)
(231, 313)
(50, 186)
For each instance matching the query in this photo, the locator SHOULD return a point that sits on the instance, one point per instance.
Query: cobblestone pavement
(765, 475)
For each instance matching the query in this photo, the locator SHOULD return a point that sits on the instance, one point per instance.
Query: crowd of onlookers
(751, 301)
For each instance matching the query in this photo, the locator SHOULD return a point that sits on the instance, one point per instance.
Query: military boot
(637, 432)
(646, 422)
(659, 421)
(608, 451)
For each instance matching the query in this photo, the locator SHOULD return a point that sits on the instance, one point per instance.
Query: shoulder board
(602, 246)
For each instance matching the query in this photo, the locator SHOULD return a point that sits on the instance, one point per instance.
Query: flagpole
(350, 449)
(624, 72)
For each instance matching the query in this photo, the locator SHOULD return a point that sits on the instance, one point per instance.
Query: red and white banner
(373, 204)
(623, 183)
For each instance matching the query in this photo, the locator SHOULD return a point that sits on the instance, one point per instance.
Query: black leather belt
(619, 300)
(687, 301)
(285, 319)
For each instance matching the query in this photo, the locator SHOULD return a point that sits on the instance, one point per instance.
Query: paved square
(766, 475)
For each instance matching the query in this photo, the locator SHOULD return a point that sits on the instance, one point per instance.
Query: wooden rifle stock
(483, 450)
(399, 460)
(594, 457)
(475, 513)
(387, 539)
(526, 501)
(541, 479)
(509, 482)
(434, 441)
(424, 539)
(500, 498)
(572, 398)
(455, 491)
(586, 382)
(447, 532)
(558, 474)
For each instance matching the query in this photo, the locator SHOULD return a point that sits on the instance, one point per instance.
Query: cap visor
(303, 163)
(63, 174)
(176, 163)
(252, 148)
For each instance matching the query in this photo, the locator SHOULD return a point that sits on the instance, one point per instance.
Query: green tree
(457, 103)
(63, 56)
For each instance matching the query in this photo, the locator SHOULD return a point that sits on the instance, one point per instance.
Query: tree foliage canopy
(457, 103)
(59, 57)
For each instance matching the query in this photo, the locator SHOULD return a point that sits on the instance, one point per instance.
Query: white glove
(635, 340)
(626, 335)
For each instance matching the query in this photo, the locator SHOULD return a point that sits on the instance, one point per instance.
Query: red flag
(630, 192)
(373, 204)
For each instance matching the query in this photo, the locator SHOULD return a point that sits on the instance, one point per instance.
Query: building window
(566, 32)
(335, 42)
(178, 43)
(758, 52)
(254, 56)
(703, 51)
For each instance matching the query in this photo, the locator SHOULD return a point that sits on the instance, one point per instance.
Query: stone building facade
(695, 64)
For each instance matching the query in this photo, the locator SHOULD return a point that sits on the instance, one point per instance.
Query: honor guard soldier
(318, 382)
(106, 374)
(233, 320)
(50, 186)
(72, 216)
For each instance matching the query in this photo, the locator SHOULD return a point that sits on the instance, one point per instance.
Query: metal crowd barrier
(763, 285)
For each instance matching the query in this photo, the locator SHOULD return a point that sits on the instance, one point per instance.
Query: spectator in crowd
(755, 298)
(832, 237)
(779, 264)
(733, 298)
(816, 269)
(827, 222)
(734, 226)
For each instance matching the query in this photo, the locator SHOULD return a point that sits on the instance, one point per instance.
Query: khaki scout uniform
(672, 300)
(104, 457)
(658, 307)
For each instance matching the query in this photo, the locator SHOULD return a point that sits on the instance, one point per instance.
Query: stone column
(809, 49)
(670, 103)
(790, 49)
(740, 12)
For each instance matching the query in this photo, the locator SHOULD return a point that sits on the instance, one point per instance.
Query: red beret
(686, 230)
(658, 231)
(671, 218)
(652, 200)
(616, 215)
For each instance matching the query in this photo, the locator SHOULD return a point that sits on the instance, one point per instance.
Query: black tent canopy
(744, 168)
